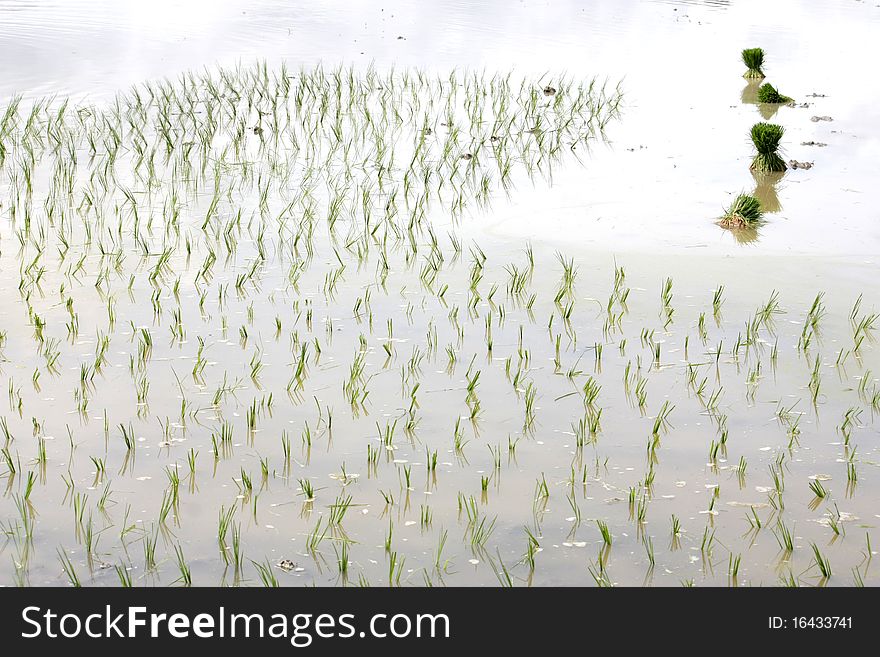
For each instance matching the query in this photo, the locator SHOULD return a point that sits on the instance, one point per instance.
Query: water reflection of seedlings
(766, 191)
(768, 110)
(749, 93)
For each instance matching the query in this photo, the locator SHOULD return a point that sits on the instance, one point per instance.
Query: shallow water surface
(677, 159)
(421, 319)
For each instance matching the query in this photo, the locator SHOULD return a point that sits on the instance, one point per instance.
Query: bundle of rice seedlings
(744, 212)
(766, 138)
(767, 93)
(753, 58)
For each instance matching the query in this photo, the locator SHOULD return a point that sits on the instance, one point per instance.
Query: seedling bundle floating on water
(766, 138)
(753, 58)
(744, 212)
(767, 93)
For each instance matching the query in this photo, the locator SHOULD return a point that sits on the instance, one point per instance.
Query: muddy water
(679, 153)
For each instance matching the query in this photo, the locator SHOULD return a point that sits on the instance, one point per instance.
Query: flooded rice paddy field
(318, 324)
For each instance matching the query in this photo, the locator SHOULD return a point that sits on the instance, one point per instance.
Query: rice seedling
(821, 562)
(753, 519)
(784, 537)
(338, 510)
(766, 138)
(707, 542)
(307, 489)
(69, 570)
(818, 489)
(767, 93)
(745, 211)
(858, 580)
(266, 574)
(835, 523)
(676, 527)
(753, 58)
(480, 531)
(124, 574)
(185, 574)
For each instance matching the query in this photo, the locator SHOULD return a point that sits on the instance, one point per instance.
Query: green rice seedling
(784, 537)
(718, 293)
(185, 575)
(69, 570)
(572, 502)
(666, 299)
(707, 542)
(237, 553)
(8, 461)
(167, 507)
(128, 437)
(605, 532)
(648, 542)
(818, 489)
(504, 576)
(753, 519)
(389, 536)
(733, 567)
(338, 510)
(662, 419)
(834, 522)
(753, 58)
(105, 497)
(395, 568)
(224, 522)
(481, 531)
(266, 574)
(532, 549)
(600, 574)
(714, 448)
(767, 93)
(852, 475)
(858, 579)
(766, 138)
(307, 489)
(123, 572)
(425, 516)
(744, 212)
(343, 560)
(821, 562)
(244, 483)
(850, 419)
(542, 490)
(316, 536)
(439, 564)
(191, 460)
